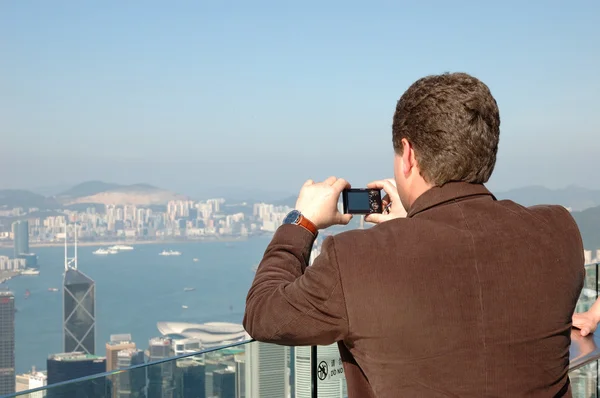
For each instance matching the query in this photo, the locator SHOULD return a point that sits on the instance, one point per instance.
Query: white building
(267, 370)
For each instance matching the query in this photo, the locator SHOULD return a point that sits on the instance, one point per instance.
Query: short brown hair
(452, 122)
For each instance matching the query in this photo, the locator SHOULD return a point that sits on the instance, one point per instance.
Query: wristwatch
(296, 218)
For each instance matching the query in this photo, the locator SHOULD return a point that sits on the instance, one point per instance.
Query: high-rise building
(73, 365)
(190, 378)
(79, 312)
(224, 383)
(20, 230)
(117, 343)
(7, 342)
(79, 305)
(266, 370)
(161, 376)
(132, 383)
(31, 380)
(240, 376)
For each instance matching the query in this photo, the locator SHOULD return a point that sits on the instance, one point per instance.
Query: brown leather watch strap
(306, 223)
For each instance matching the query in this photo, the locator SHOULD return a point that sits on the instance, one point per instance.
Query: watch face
(292, 217)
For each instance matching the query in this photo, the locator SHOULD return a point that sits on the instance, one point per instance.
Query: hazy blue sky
(199, 95)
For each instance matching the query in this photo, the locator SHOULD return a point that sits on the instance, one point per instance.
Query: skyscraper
(161, 376)
(79, 310)
(224, 383)
(190, 378)
(7, 342)
(266, 370)
(117, 343)
(132, 383)
(79, 307)
(73, 365)
(20, 230)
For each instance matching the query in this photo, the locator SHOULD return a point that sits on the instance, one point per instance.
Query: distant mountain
(99, 192)
(589, 225)
(12, 198)
(88, 188)
(573, 197)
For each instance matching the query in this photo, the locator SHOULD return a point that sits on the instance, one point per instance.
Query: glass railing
(253, 369)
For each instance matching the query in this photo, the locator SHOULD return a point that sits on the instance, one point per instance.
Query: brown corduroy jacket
(467, 296)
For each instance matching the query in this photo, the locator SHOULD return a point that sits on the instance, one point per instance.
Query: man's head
(446, 128)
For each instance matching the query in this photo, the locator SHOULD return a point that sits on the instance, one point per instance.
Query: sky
(210, 96)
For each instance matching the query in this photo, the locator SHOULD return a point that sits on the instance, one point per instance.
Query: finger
(585, 332)
(376, 218)
(387, 186)
(340, 185)
(344, 219)
(386, 200)
(330, 180)
(307, 183)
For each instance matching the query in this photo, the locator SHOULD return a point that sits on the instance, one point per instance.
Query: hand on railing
(586, 322)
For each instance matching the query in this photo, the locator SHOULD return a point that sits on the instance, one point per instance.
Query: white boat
(102, 252)
(169, 253)
(195, 260)
(30, 271)
(120, 248)
(185, 307)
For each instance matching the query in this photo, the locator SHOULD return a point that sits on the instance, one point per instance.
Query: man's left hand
(318, 202)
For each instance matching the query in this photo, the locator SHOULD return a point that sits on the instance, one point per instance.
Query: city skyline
(213, 96)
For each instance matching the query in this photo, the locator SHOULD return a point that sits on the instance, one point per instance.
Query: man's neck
(419, 189)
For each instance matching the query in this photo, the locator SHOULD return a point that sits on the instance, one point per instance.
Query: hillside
(90, 188)
(589, 225)
(98, 192)
(573, 197)
(11, 198)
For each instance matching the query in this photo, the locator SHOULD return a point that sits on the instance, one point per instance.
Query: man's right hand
(391, 197)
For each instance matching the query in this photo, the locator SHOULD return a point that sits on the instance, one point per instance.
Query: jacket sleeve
(292, 304)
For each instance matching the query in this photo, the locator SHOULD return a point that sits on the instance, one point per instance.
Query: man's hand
(396, 209)
(586, 322)
(319, 202)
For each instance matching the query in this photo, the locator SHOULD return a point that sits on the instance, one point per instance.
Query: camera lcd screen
(358, 201)
(362, 201)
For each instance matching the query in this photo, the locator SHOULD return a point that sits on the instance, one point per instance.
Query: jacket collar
(448, 192)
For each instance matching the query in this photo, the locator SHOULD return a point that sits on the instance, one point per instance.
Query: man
(466, 296)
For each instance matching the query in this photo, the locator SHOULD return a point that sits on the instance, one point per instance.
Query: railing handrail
(118, 371)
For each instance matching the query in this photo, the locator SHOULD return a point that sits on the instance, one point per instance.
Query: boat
(185, 307)
(195, 260)
(30, 271)
(189, 289)
(52, 289)
(169, 253)
(101, 252)
(27, 293)
(120, 248)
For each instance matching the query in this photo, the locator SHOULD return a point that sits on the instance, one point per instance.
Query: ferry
(189, 289)
(104, 252)
(30, 271)
(120, 248)
(169, 253)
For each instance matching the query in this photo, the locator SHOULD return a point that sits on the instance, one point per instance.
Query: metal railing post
(313, 371)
